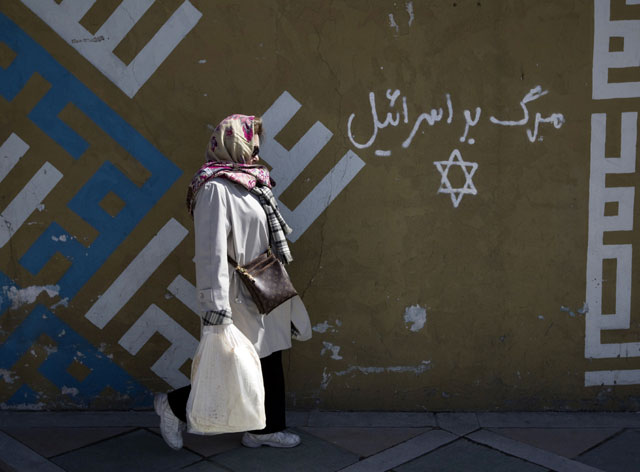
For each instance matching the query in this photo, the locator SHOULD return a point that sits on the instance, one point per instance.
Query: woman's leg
(178, 402)
(274, 399)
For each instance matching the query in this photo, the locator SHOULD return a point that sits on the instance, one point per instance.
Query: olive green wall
(449, 221)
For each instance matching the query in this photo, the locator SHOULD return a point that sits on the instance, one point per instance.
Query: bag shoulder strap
(236, 265)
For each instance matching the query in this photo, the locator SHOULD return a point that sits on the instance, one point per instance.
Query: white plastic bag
(227, 393)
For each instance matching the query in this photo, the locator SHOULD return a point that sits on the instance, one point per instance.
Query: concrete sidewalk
(332, 441)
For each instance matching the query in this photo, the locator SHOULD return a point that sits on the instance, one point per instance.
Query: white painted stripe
(599, 194)
(158, 49)
(279, 114)
(76, 9)
(404, 452)
(27, 201)
(23, 458)
(136, 273)
(529, 453)
(184, 291)
(183, 345)
(98, 49)
(603, 60)
(288, 164)
(611, 377)
(322, 195)
(122, 20)
(10, 153)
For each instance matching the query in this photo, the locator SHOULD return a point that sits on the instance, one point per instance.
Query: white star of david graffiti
(469, 168)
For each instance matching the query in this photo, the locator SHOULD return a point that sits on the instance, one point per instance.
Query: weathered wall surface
(460, 176)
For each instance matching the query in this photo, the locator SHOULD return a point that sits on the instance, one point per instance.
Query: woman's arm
(212, 228)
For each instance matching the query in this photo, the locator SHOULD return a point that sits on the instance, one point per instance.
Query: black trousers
(274, 401)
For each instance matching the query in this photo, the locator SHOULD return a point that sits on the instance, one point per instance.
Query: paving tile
(458, 423)
(559, 420)
(463, 455)
(313, 455)
(403, 452)
(567, 442)
(66, 439)
(204, 466)
(16, 456)
(365, 441)
(367, 419)
(618, 454)
(135, 451)
(208, 445)
(529, 453)
(78, 419)
(297, 418)
(5, 468)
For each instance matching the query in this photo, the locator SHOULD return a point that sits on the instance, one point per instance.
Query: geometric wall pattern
(83, 259)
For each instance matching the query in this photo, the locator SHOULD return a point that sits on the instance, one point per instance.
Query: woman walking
(235, 215)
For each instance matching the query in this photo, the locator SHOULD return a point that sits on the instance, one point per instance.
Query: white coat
(230, 220)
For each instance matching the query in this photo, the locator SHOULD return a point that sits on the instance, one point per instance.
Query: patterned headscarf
(233, 140)
(231, 145)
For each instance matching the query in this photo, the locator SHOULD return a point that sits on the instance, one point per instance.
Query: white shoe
(171, 427)
(279, 439)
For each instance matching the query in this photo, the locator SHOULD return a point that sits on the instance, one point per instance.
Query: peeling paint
(69, 391)
(62, 238)
(321, 327)
(202, 61)
(325, 326)
(23, 406)
(392, 23)
(567, 310)
(540, 317)
(103, 349)
(419, 369)
(326, 378)
(40, 207)
(64, 302)
(28, 295)
(50, 349)
(8, 375)
(585, 309)
(334, 350)
(416, 316)
(409, 7)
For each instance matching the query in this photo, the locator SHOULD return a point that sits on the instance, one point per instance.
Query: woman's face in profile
(256, 148)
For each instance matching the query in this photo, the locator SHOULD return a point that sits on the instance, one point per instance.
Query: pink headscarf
(233, 140)
(230, 146)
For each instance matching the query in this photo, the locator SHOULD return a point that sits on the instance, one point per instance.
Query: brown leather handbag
(267, 281)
